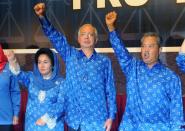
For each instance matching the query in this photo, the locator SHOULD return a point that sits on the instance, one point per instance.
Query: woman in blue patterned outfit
(44, 85)
(9, 94)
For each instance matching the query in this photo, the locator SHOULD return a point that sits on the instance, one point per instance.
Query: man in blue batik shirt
(91, 96)
(154, 100)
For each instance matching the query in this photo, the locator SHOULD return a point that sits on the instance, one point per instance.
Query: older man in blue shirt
(154, 100)
(91, 97)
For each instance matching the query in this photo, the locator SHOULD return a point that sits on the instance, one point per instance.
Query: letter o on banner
(180, 1)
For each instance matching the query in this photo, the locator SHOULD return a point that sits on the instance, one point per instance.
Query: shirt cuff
(181, 53)
(177, 126)
(16, 113)
(112, 116)
(44, 21)
(51, 122)
(15, 69)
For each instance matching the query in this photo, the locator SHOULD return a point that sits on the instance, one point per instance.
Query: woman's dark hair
(45, 51)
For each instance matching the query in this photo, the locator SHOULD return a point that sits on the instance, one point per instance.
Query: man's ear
(78, 40)
(96, 40)
(160, 50)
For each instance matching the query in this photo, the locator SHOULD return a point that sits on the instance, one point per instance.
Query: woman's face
(44, 65)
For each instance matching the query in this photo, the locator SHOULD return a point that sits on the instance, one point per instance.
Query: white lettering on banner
(136, 2)
(114, 3)
(76, 4)
(180, 1)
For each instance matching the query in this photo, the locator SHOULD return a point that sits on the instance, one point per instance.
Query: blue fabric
(10, 96)
(154, 99)
(180, 59)
(91, 95)
(37, 104)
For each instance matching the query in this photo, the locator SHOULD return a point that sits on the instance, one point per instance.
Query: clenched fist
(40, 9)
(10, 55)
(110, 19)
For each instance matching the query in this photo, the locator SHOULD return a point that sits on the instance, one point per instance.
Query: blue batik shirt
(45, 98)
(91, 95)
(10, 96)
(154, 100)
(180, 59)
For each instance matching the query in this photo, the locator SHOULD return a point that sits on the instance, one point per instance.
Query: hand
(10, 55)
(40, 122)
(182, 49)
(40, 9)
(110, 19)
(15, 120)
(108, 124)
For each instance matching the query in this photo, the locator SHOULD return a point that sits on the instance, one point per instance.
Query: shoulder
(7, 69)
(170, 73)
(6, 73)
(59, 80)
(180, 57)
(103, 57)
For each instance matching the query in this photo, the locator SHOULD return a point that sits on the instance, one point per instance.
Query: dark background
(20, 28)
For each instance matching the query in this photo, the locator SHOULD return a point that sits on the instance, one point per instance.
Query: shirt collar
(82, 55)
(155, 66)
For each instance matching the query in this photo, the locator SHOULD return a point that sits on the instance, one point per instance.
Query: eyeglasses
(88, 34)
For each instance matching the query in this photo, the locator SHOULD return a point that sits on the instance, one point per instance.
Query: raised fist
(10, 55)
(40, 9)
(110, 19)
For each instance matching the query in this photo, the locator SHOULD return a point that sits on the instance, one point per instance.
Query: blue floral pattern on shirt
(154, 99)
(91, 95)
(180, 59)
(10, 96)
(41, 102)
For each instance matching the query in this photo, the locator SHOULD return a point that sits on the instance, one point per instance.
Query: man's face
(86, 37)
(150, 50)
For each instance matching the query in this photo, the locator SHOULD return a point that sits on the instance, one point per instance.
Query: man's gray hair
(95, 30)
(152, 34)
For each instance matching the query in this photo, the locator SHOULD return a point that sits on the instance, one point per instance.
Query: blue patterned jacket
(154, 99)
(91, 95)
(10, 96)
(180, 59)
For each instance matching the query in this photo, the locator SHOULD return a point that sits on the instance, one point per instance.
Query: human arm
(15, 96)
(21, 76)
(176, 105)
(111, 96)
(57, 39)
(124, 57)
(180, 59)
(55, 111)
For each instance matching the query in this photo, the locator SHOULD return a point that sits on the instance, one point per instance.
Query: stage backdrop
(20, 28)
(19, 25)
